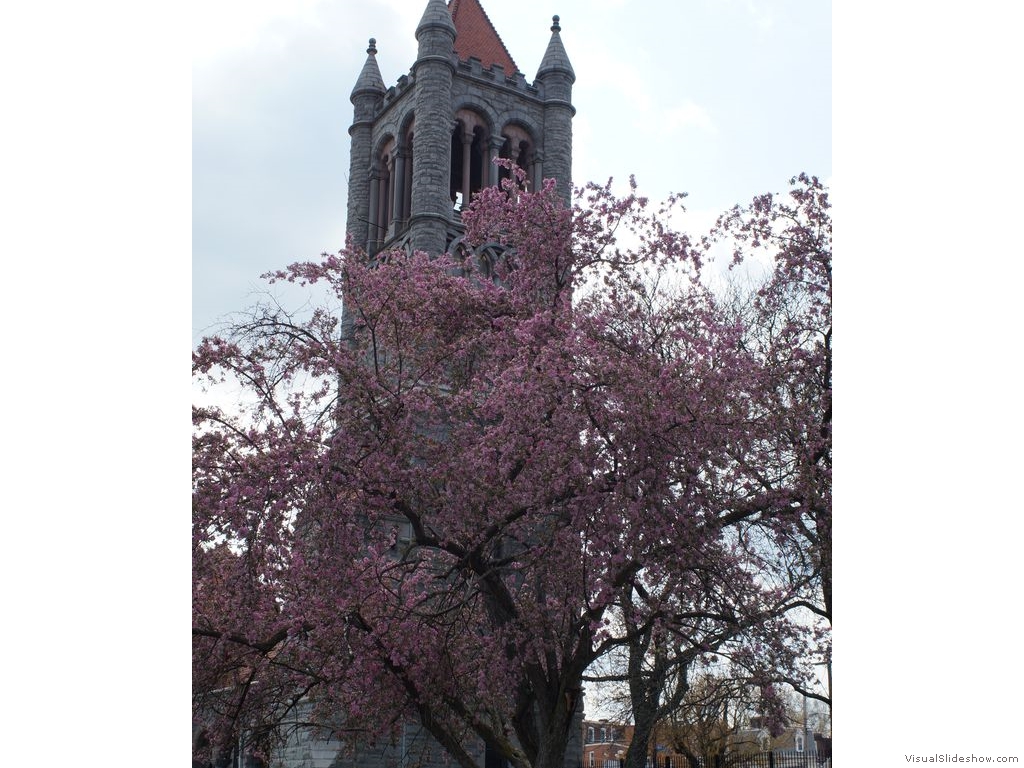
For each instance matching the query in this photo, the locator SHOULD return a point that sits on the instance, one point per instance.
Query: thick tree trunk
(645, 689)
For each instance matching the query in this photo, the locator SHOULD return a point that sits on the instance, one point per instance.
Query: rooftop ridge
(474, 42)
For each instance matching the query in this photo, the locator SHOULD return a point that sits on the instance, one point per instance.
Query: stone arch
(472, 116)
(407, 127)
(382, 189)
(519, 144)
(487, 257)
(482, 261)
(385, 144)
(403, 197)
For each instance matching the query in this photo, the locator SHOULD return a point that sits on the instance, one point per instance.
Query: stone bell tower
(422, 148)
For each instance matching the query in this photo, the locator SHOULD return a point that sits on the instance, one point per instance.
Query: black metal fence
(776, 759)
(771, 760)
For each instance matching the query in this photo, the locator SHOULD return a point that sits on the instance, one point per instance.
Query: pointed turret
(369, 80)
(367, 99)
(555, 58)
(556, 77)
(436, 16)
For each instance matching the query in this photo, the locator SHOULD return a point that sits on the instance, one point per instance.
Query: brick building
(604, 743)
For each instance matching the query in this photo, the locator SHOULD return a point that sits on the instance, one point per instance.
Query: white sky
(723, 99)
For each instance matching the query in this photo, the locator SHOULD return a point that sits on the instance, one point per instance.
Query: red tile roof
(476, 36)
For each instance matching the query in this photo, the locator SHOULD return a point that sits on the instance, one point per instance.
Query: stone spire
(369, 80)
(367, 98)
(437, 16)
(556, 78)
(555, 58)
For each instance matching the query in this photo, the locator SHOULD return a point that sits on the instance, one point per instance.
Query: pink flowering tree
(776, 478)
(786, 461)
(450, 500)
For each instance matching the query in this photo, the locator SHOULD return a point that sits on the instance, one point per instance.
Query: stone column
(467, 146)
(371, 227)
(493, 153)
(382, 207)
(389, 186)
(407, 183)
(399, 185)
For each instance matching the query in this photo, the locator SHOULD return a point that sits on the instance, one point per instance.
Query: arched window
(470, 157)
(518, 147)
(381, 195)
(799, 742)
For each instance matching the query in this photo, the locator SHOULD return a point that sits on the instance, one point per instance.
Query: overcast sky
(723, 99)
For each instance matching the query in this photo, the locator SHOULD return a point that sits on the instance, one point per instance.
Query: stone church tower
(422, 148)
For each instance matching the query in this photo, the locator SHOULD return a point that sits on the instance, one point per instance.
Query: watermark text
(958, 758)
